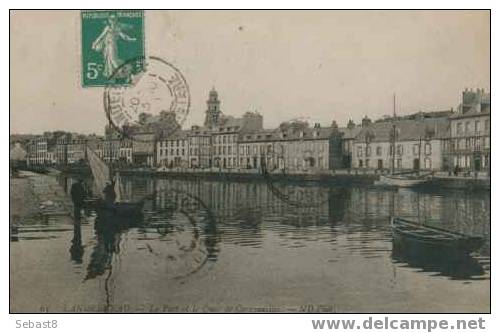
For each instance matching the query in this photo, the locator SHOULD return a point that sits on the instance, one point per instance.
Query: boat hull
(400, 181)
(407, 234)
(120, 212)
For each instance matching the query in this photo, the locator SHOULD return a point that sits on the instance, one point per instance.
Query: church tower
(213, 113)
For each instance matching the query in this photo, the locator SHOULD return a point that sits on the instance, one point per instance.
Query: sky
(317, 65)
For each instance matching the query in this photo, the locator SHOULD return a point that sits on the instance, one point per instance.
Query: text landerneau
(36, 324)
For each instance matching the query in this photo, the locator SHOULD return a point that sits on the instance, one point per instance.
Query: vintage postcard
(250, 161)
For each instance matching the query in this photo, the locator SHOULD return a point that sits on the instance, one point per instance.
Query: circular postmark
(188, 234)
(153, 101)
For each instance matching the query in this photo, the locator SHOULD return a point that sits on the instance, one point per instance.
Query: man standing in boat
(78, 196)
(109, 193)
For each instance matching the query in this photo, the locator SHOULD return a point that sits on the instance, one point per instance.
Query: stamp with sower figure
(110, 38)
(138, 90)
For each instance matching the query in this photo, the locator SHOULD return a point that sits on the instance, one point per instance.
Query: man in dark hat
(78, 197)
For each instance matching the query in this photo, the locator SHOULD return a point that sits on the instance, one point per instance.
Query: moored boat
(409, 233)
(120, 211)
(403, 180)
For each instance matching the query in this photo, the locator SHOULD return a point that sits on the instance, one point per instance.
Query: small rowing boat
(110, 204)
(403, 180)
(406, 232)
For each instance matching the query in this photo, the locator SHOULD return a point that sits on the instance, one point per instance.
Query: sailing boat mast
(419, 154)
(393, 143)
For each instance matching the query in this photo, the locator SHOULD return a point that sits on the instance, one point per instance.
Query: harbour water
(228, 246)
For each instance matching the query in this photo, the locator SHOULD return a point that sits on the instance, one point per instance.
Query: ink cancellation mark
(155, 101)
(110, 38)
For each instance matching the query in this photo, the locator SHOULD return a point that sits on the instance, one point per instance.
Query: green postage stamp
(110, 39)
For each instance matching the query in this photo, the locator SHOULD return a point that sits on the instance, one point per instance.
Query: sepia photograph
(249, 161)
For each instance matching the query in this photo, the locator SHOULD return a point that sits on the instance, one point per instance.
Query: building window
(379, 151)
(415, 149)
(428, 163)
(399, 150)
(368, 152)
(467, 127)
(360, 151)
(360, 163)
(487, 125)
(428, 149)
(476, 126)
(459, 129)
(399, 163)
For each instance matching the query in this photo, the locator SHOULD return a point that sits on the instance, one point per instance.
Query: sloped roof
(230, 121)
(459, 115)
(200, 130)
(277, 135)
(407, 130)
(350, 133)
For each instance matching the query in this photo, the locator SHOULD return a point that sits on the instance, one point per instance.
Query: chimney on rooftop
(365, 122)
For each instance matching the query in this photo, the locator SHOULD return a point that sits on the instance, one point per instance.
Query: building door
(477, 162)
(416, 164)
(380, 164)
(309, 162)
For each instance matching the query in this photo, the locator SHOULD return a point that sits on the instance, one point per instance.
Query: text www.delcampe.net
(398, 324)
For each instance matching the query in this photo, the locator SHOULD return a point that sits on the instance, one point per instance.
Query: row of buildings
(445, 140)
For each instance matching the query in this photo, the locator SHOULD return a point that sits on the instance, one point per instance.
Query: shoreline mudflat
(23, 201)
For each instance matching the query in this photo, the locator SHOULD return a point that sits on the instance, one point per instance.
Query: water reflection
(455, 265)
(76, 250)
(108, 237)
(237, 233)
(238, 210)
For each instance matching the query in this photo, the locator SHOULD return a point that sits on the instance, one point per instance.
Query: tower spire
(213, 112)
